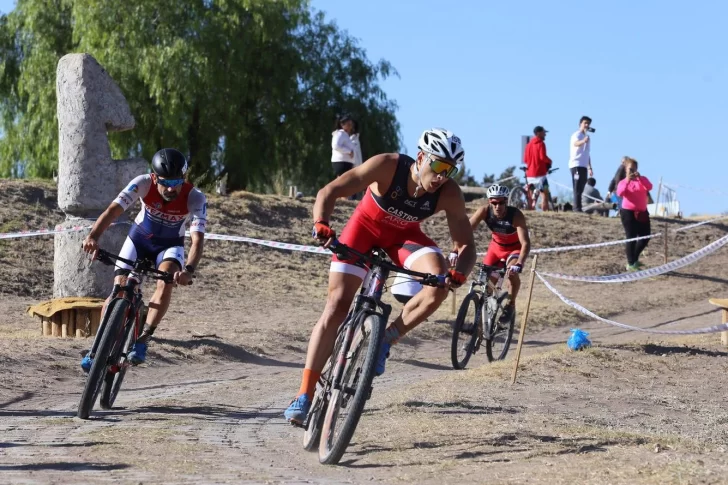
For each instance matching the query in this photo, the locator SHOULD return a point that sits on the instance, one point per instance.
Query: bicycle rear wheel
(112, 380)
(466, 325)
(498, 338)
(518, 198)
(112, 332)
(346, 403)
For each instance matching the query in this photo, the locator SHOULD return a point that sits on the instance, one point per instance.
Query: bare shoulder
(519, 218)
(451, 197)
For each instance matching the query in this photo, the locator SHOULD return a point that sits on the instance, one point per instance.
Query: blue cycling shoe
(86, 363)
(139, 354)
(382, 357)
(298, 410)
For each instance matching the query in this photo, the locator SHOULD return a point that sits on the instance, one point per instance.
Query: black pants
(635, 228)
(578, 186)
(340, 168)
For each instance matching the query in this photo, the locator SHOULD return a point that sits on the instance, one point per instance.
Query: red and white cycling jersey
(160, 219)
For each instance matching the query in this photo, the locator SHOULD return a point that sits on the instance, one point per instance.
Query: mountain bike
(520, 199)
(346, 380)
(120, 327)
(478, 319)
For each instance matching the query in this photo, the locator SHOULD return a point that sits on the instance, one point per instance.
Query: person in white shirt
(342, 148)
(580, 159)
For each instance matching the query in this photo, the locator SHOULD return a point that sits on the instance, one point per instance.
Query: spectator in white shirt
(580, 159)
(342, 148)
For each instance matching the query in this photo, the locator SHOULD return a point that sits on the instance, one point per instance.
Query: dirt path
(222, 423)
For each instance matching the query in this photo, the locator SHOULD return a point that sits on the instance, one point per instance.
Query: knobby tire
(112, 332)
(460, 323)
(332, 448)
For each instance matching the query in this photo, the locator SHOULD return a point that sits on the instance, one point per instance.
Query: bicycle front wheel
(500, 335)
(112, 332)
(346, 403)
(114, 377)
(465, 331)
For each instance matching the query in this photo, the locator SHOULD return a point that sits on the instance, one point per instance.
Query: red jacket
(537, 163)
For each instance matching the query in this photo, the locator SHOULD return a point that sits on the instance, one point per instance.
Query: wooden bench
(723, 304)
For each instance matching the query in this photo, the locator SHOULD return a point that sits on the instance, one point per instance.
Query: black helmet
(169, 163)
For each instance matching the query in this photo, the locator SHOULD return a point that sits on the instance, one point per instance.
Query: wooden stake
(724, 335)
(95, 321)
(664, 238)
(65, 316)
(453, 303)
(56, 324)
(525, 318)
(46, 327)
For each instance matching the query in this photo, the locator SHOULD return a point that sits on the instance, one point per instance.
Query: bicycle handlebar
(492, 269)
(142, 266)
(341, 250)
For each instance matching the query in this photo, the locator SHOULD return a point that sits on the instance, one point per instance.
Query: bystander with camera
(633, 190)
(580, 159)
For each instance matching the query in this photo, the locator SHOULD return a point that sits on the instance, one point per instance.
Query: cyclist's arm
(379, 168)
(478, 216)
(138, 187)
(197, 206)
(519, 222)
(198, 242)
(105, 219)
(461, 231)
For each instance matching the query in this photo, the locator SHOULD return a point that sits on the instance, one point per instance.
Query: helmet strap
(417, 177)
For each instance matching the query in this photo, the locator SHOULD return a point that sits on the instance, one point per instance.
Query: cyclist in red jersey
(510, 240)
(400, 193)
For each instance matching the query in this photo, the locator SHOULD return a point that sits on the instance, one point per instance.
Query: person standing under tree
(342, 148)
(580, 159)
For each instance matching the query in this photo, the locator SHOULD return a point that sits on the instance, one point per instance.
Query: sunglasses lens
(171, 183)
(443, 168)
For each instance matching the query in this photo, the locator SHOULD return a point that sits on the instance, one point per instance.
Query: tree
(506, 174)
(247, 88)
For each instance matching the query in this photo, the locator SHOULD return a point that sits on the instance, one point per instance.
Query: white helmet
(442, 143)
(496, 191)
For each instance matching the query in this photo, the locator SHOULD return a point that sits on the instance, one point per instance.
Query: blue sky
(652, 75)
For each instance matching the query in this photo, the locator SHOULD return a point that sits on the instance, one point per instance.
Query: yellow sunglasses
(443, 168)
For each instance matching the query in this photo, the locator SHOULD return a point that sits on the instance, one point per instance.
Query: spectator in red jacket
(537, 167)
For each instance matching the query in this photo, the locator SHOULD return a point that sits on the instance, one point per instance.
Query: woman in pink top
(634, 215)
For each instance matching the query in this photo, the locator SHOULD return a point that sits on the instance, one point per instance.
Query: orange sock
(308, 382)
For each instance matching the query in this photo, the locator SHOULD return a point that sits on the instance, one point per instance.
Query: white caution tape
(42, 232)
(270, 244)
(699, 189)
(581, 309)
(690, 226)
(593, 245)
(647, 273)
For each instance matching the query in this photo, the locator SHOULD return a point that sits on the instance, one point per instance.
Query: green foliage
(508, 172)
(247, 88)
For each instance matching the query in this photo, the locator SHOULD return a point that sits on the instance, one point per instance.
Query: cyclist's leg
(170, 260)
(418, 253)
(514, 282)
(345, 278)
